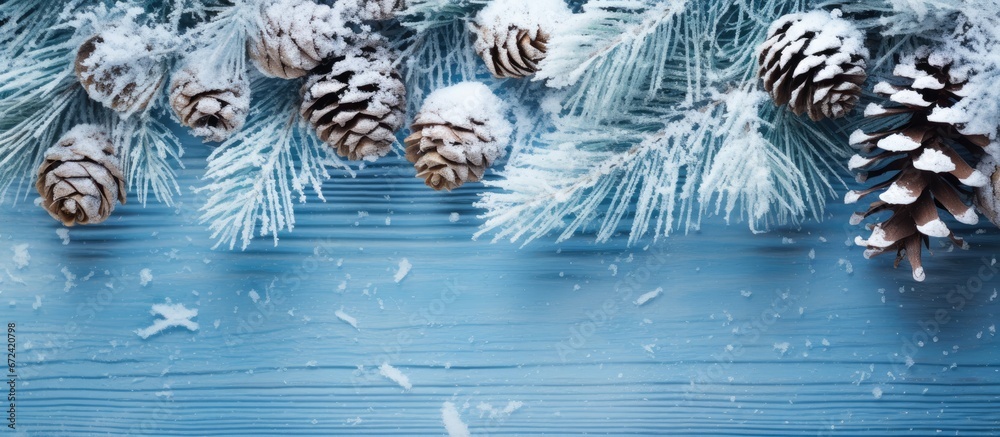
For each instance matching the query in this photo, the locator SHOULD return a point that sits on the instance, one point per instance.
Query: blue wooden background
(786, 333)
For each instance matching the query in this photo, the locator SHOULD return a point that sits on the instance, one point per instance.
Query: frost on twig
(257, 175)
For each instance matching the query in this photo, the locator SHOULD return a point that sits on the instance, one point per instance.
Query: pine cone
(80, 178)
(295, 36)
(987, 197)
(214, 107)
(815, 62)
(357, 106)
(920, 154)
(512, 35)
(459, 132)
(119, 70)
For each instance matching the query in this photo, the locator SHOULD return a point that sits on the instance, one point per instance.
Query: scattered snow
(70, 279)
(404, 269)
(145, 277)
(782, 347)
(646, 297)
(877, 392)
(21, 256)
(37, 303)
(346, 318)
(173, 315)
(63, 234)
(453, 217)
(498, 413)
(453, 422)
(395, 375)
(254, 296)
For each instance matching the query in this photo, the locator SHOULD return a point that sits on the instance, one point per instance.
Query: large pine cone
(357, 106)
(920, 155)
(80, 178)
(295, 36)
(213, 107)
(987, 198)
(119, 70)
(814, 62)
(459, 132)
(512, 35)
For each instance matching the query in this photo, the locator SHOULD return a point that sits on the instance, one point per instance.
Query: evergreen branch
(257, 174)
(423, 15)
(147, 150)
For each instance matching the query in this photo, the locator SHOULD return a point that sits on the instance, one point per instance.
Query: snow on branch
(421, 15)
(148, 151)
(606, 36)
(727, 149)
(258, 174)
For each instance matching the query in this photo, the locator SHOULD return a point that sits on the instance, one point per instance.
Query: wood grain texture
(750, 335)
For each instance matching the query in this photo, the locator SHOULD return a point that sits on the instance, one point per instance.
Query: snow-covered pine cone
(211, 105)
(81, 178)
(458, 133)
(987, 198)
(120, 68)
(815, 62)
(919, 152)
(295, 37)
(357, 104)
(512, 35)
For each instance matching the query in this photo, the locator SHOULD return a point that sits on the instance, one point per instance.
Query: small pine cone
(357, 106)
(379, 9)
(295, 37)
(80, 178)
(119, 69)
(815, 62)
(460, 131)
(512, 35)
(213, 107)
(920, 152)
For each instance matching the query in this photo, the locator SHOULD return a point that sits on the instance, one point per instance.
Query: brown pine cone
(120, 73)
(295, 37)
(814, 62)
(919, 152)
(357, 106)
(512, 35)
(987, 198)
(81, 178)
(459, 132)
(213, 107)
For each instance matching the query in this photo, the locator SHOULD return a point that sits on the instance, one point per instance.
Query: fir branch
(423, 15)
(437, 58)
(148, 149)
(258, 174)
